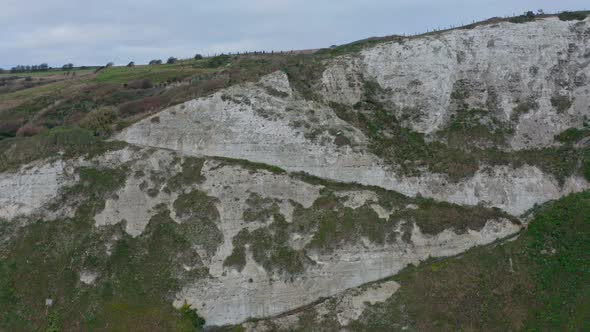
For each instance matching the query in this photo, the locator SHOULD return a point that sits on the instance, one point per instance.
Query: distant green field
(154, 73)
(49, 73)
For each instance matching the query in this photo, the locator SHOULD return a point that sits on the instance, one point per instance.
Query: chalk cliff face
(227, 169)
(229, 200)
(494, 67)
(529, 78)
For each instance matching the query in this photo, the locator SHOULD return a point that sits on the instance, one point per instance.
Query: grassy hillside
(113, 98)
(537, 281)
(132, 92)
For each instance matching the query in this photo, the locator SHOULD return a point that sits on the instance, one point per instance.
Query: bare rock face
(534, 73)
(249, 122)
(284, 263)
(234, 297)
(264, 240)
(342, 81)
(26, 190)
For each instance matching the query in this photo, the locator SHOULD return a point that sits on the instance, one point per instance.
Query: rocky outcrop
(28, 189)
(264, 242)
(248, 122)
(159, 180)
(233, 297)
(533, 73)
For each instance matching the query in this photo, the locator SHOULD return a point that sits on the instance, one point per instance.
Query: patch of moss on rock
(58, 142)
(200, 218)
(410, 153)
(190, 174)
(561, 103)
(475, 128)
(435, 217)
(523, 107)
(237, 259)
(572, 135)
(253, 167)
(93, 187)
(136, 277)
(259, 209)
(269, 247)
(536, 282)
(333, 225)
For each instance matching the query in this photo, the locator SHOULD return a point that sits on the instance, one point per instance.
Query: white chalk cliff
(497, 67)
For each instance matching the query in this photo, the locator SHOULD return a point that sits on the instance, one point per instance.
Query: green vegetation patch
(200, 218)
(573, 16)
(137, 278)
(72, 142)
(99, 181)
(50, 72)
(572, 135)
(410, 152)
(218, 61)
(269, 247)
(190, 174)
(469, 127)
(191, 315)
(561, 103)
(523, 107)
(253, 167)
(11, 120)
(155, 74)
(304, 71)
(237, 259)
(357, 46)
(259, 209)
(100, 121)
(525, 18)
(333, 225)
(434, 217)
(537, 282)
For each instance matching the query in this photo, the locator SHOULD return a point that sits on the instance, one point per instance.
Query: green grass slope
(538, 282)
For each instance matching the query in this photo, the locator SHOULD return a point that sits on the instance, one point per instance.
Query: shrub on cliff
(571, 16)
(100, 121)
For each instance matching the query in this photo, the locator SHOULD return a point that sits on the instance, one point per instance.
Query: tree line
(33, 68)
(70, 66)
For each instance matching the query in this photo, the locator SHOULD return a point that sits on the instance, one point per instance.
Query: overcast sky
(88, 32)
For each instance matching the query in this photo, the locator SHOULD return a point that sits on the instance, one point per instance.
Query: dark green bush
(562, 103)
(571, 135)
(218, 61)
(189, 314)
(571, 16)
(100, 121)
(526, 17)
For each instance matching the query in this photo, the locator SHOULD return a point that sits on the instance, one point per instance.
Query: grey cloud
(95, 32)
